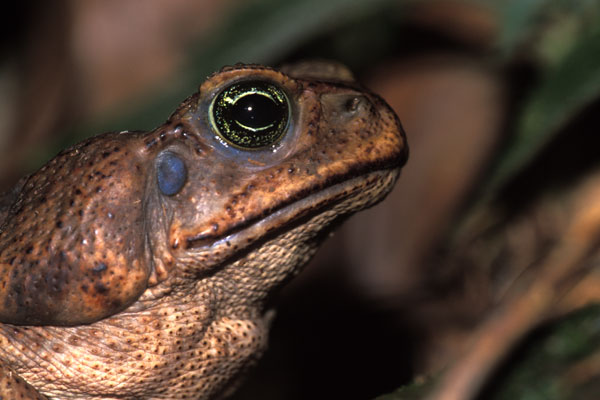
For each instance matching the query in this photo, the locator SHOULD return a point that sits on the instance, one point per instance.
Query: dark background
(499, 101)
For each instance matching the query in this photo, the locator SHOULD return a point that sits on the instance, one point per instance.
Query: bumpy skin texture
(111, 289)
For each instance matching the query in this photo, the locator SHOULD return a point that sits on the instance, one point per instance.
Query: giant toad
(137, 265)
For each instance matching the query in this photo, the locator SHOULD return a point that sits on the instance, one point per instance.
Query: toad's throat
(300, 206)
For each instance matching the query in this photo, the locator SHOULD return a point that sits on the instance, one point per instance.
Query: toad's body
(138, 264)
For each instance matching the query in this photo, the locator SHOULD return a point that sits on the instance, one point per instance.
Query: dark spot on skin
(116, 304)
(59, 224)
(100, 288)
(99, 268)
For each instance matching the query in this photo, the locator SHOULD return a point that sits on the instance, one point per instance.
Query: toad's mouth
(344, 196)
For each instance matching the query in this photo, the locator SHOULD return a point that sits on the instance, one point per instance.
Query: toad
(138, 265)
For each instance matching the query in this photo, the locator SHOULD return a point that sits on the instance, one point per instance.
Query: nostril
(352, 104)
(355, 104)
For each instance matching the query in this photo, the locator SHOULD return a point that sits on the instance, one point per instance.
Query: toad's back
(137, 264)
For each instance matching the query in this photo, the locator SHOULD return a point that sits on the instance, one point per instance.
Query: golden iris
(251, 114)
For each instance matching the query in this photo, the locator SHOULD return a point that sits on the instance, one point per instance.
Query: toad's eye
(251, 114)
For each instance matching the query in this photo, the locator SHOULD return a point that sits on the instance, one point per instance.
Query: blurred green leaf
(524, 23)
(544, 367)
(268, 29)
(517, 21)
(564, 90)
(262, 31)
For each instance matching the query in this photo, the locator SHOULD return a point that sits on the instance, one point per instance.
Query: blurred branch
(535, 297)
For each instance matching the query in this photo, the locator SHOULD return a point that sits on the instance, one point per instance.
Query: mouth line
(301, 206)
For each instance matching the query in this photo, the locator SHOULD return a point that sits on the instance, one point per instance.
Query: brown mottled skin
(110, 289)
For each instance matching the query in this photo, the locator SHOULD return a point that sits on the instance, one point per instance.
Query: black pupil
(255, 111)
